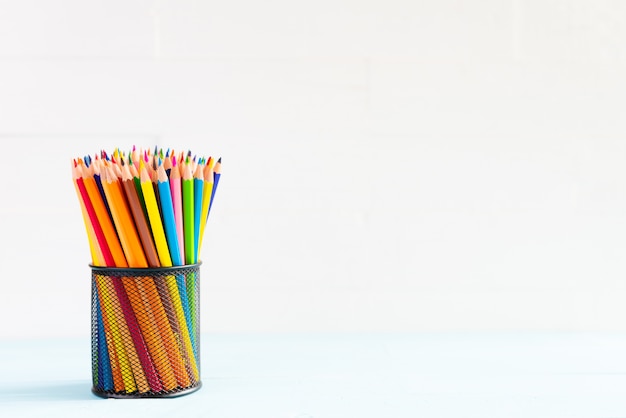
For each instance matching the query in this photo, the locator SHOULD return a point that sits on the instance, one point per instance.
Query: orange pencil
(129, 299)
(105, 221)
(124, 224)
(157, 296)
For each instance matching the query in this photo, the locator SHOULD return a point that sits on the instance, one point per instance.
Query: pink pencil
(177, 200)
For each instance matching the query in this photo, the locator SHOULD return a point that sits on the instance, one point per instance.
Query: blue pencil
(169, 222)
(167, 209)
(217, 172)
(105, 378)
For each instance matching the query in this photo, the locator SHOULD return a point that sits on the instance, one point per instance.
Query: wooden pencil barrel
(145, 331)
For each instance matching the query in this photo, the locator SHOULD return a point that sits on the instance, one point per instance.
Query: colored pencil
(105, 221)
(105, 376)
(198, 188)
(177, 203)
(123, 220)
(143, 229)
(172, 239)
(188, 216)
(217, 173)
(207, 191)
(167, 210)
(155, 217)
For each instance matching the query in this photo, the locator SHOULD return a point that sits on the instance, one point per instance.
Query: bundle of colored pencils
(145, 209)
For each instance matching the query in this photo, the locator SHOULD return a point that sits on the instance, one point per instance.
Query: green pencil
(188, 213)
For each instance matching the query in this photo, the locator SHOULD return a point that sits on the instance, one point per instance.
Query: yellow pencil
(166, 261)
(154, 216)
(206, 200)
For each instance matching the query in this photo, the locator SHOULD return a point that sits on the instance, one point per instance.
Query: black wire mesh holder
(145, 331)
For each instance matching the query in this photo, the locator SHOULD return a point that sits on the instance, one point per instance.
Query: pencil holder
(145, 331)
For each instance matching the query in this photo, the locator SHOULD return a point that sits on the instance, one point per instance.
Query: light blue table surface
(343, 375)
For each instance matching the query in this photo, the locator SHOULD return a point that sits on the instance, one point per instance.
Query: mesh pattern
(145, 331)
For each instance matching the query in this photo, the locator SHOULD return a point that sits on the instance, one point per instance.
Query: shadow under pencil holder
(145, 331)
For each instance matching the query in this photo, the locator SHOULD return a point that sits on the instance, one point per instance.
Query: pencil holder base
(113, 395)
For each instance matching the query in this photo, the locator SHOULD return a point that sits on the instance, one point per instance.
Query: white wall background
(388, 165)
